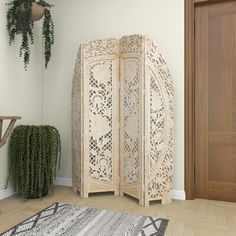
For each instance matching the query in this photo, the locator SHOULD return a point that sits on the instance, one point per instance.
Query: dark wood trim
(189, 99)
(209, 1)
(189, 95)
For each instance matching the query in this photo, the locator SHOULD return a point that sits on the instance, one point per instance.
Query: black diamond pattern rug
(63, 220)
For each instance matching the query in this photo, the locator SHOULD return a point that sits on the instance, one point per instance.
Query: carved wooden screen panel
(159, 125)
(99, 155)
(147, 114)
(144, 108)
(131, 119)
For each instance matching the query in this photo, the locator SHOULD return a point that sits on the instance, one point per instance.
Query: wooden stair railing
(3, 139)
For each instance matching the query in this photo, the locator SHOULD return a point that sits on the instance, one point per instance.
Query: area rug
(63, 220)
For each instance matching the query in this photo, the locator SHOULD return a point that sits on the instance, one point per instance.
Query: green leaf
(35, 153)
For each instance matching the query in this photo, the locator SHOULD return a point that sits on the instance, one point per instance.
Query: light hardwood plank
(188, 218)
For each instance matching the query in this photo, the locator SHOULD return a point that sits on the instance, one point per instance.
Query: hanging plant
(34, 153)
(20, 20)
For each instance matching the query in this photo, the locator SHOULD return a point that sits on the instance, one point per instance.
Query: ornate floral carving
(161, 124)
(132, 44)
(100, 120)
(130, 105)
(146, 86)
(97, 48)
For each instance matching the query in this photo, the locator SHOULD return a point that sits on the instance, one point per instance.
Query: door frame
(189, 96)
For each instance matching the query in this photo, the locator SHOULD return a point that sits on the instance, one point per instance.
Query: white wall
(82, 20)
(20, 91)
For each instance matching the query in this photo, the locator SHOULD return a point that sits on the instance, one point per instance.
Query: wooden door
(215, 101)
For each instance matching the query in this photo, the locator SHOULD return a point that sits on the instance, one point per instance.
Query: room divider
(123, 119)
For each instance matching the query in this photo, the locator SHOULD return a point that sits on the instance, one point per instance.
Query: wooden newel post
(3, 139)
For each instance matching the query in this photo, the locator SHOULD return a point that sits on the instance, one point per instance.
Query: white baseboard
(176, 194)
(5, 193)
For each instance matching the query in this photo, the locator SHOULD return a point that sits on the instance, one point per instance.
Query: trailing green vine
(34, 155)
(19, 21)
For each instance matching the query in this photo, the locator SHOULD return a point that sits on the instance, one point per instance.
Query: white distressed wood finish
(159, 126)
(132, 65)
(95, 118)
(146, 119)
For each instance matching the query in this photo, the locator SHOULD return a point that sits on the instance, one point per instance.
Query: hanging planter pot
(21, 16)
(37, 12)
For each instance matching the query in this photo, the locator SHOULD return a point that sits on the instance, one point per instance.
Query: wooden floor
(188, 218)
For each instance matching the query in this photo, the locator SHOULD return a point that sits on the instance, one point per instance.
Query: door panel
(215, 101)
